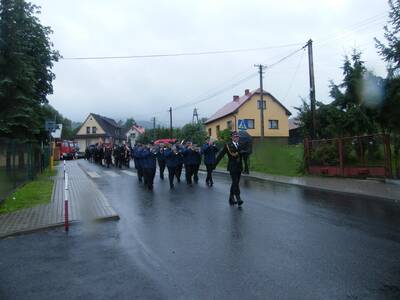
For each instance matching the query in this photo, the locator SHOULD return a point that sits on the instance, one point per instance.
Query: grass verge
(275, 159)
(32, 193)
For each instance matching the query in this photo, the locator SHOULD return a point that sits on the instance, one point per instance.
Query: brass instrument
(234, 154)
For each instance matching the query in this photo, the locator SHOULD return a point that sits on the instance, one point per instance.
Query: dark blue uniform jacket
(209, 153)
(171, 158)
(148, 159)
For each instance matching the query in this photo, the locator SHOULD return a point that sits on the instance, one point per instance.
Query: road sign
(242, 124)
(50, 125)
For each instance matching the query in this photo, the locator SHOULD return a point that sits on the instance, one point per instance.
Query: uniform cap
(234, 134)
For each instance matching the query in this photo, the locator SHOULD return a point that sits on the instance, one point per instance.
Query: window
(250, 123)
(218, 129)
(88, 129)
(94, 129)
(209, 131)
(229, 125)
(273, 124)
(264, 104)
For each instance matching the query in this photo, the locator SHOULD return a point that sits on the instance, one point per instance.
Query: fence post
(51, 157)
(307, 154)
(66, 222)
(29, 161)
(388, 156)
(341, 164)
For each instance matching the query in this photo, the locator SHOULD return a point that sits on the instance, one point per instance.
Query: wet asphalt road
(286, 243)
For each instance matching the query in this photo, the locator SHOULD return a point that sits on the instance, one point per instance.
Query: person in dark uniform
(172, 161)
(107, 155)
(138, 160)
(209, 150)
(161, 160)
(91, 153)
(127, 155)
(189, 159)
(121, 156)
(178, 171)
(87, 154)
(96, 154)
(149, 165)
(232, 149)
(197, 162)
(245, 141)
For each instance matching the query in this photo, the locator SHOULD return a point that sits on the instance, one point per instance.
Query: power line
(219, 86)
(218, 92)
(269, 66)
(294, 75)
(180, 54)
(354, 28)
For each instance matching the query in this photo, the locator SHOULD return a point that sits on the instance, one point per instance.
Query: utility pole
(312, 87)
(195, 116)
(154, 127)
(170, 122)
(261, 101)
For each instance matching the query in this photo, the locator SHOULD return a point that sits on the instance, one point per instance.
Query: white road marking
(129, 173)
(111, 173)
(93, 174)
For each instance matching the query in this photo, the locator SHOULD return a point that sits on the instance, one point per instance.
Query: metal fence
(358, 156)
(20, 162)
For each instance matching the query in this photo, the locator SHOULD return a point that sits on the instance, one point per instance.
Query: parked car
(79, 154)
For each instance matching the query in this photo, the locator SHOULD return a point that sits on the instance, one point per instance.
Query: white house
(134, 133)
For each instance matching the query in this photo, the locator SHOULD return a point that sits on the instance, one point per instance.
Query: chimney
(236, 98)
(247, 92)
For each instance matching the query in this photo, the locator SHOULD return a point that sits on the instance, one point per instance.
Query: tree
(194, 132)
(26, 59)
(350, 98)
(390, 113)
(128, 124)
(391, 51)
(50, 113)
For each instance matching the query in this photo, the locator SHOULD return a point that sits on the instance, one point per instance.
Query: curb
(312, 187)
(57, 225)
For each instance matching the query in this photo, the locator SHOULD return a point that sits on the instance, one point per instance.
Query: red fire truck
(67, 149)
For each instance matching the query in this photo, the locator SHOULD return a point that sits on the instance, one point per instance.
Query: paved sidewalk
(365, 187)
(86, 203)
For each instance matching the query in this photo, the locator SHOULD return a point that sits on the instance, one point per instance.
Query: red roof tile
(233, 106)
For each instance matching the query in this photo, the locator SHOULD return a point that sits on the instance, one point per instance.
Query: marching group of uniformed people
(107, 155)
(174, 157)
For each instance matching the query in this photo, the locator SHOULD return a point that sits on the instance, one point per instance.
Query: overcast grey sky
(147, 87)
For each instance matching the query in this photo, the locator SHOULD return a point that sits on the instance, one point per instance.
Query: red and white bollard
(66, 221)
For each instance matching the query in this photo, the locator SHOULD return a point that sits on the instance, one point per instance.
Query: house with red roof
(134, 133)
(243, 113)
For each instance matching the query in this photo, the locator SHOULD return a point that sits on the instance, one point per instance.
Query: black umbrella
(246, 141)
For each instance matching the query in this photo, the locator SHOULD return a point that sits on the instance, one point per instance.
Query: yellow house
(242, 113)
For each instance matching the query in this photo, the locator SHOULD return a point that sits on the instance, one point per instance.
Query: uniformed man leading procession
(174, 156)
(233, 150)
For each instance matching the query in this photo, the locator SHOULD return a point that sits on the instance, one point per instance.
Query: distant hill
(75, 125)
(149, 124)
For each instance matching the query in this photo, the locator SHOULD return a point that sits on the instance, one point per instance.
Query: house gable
(90, 122)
